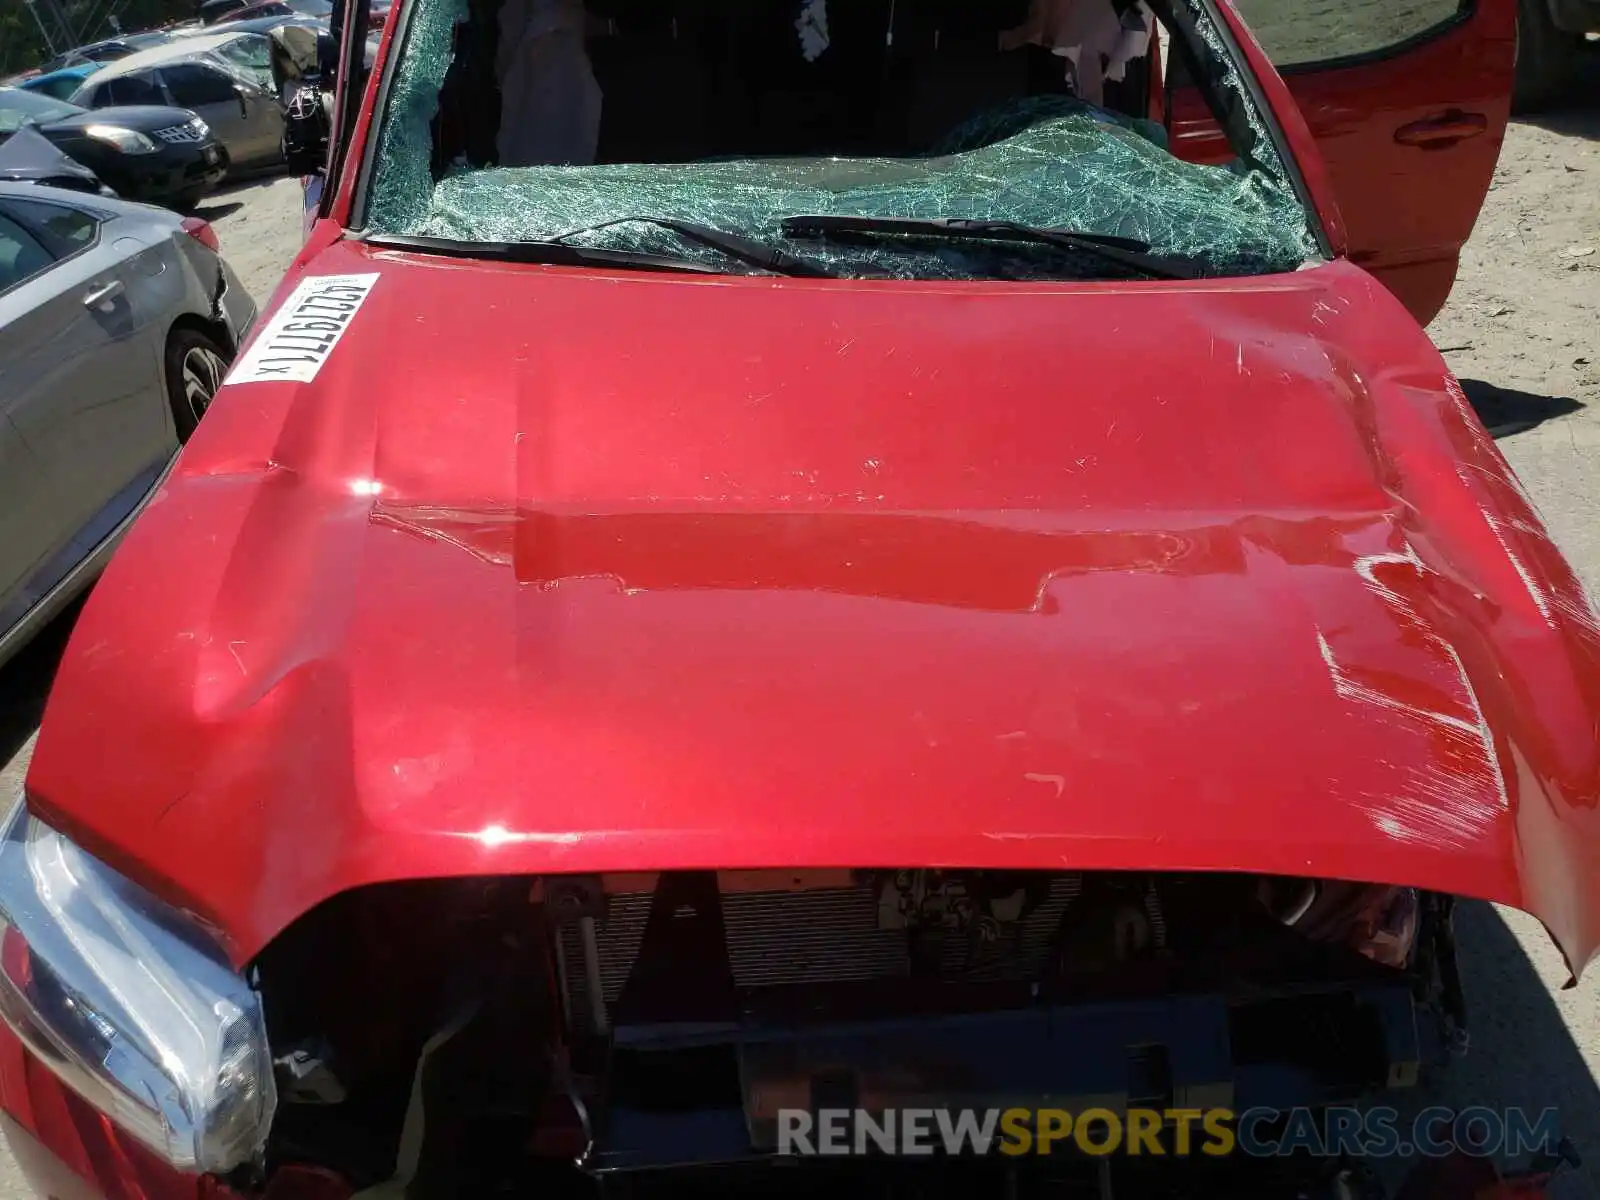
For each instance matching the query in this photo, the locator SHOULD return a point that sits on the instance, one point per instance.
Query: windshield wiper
(746, 250)
(554, 253)
(1127, 252)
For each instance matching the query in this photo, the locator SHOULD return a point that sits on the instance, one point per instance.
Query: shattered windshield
(648, 126)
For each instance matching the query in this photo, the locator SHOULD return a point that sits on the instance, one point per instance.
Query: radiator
(827, 935)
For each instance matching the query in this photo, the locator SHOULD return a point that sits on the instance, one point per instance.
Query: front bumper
(68, 1151)
(169, 173)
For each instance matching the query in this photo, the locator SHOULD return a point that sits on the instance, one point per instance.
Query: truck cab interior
(683, 80)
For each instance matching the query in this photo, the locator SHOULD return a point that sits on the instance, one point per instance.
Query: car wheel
(1548, 59)
(195, 367)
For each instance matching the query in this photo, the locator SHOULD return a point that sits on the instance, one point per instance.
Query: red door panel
(1410, 132)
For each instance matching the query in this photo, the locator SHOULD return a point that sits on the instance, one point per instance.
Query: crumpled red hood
(557, 571)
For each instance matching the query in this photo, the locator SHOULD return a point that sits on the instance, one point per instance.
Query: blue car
(59, 85)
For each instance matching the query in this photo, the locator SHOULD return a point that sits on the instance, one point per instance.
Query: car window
(1297, 33)
(60, 89)
(194, 84)
(249, 54)
(19, 107)
(64, 231)
(21, 254)
(131, 89)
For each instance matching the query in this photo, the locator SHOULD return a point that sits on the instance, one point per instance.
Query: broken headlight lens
(130, 1003)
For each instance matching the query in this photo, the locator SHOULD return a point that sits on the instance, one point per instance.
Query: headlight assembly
(130, 1004)
(129, 141)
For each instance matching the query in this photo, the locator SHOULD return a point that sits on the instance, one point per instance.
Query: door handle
(1438, 132)
(104, 294)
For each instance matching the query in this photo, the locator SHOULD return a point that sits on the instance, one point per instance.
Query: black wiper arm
(746, 250)
(555, 253)
(1128, 252)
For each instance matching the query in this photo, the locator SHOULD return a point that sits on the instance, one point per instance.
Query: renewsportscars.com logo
(1171, 1132)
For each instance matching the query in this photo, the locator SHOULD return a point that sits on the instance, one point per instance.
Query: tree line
(23, 46)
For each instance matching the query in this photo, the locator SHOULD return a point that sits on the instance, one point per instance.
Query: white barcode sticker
(303, 332)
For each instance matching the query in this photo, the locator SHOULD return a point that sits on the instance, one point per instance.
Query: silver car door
(210, 91)
(141, 87)
(249, 58)
(262, 139)
(29, 530)
(80, 370)
(23, 542)
(266, 117)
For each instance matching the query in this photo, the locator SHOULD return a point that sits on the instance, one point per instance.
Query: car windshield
(958, 140)
(19, 108)
(248, 56)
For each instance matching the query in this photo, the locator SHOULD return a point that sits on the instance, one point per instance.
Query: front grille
(618, 935)
(829, 936)
(821, 936)
(181, 135)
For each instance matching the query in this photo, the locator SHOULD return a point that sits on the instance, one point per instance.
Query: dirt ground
(1522, 331)
(259, 224)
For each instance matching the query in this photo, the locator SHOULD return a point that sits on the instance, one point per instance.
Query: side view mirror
(243, 93)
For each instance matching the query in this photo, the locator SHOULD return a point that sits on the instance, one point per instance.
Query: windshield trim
(1294, 176)
(368, 165)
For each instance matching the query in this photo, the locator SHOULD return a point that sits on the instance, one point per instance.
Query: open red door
(1408, 101)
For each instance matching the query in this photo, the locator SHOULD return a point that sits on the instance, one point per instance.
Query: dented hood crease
(553, 571)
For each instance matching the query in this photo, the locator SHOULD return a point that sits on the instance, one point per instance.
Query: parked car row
(108, 50)
(225, 78)
(62, 83)
(160, 153)
(165, 116)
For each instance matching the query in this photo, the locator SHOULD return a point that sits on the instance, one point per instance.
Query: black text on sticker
(301, 335)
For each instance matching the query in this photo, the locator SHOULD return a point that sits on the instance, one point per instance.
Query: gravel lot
(1523, 333)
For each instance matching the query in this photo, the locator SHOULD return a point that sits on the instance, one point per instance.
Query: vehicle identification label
(301, 335)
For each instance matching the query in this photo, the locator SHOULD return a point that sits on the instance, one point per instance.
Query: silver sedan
(117, 323)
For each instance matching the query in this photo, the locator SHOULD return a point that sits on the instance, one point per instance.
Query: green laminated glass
(1045, 161)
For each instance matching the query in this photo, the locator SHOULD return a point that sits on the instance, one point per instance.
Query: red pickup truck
(922, 560)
